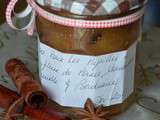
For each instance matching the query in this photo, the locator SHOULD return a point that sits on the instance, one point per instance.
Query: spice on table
(26, 84)
(91, 113)
(7, 97)
(20, 109)
(46, 113)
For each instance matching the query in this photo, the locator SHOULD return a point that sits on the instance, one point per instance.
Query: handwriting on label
(80, 76)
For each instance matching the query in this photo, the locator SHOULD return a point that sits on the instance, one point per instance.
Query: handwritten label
(70, 79)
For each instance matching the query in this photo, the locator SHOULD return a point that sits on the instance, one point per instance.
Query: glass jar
(109, 52)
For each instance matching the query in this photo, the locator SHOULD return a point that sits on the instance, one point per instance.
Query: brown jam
(89, 41)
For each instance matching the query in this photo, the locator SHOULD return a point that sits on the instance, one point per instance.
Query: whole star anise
(91, 113)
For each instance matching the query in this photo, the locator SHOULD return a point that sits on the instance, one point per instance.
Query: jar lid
(93, 7)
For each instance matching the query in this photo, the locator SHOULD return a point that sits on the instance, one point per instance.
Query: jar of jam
(87, 49)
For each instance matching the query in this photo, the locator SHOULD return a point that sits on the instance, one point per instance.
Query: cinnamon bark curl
(26, 84)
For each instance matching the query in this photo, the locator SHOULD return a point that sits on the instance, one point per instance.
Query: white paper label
(70, 79)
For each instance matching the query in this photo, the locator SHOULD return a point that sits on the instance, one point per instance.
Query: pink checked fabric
(93, 7)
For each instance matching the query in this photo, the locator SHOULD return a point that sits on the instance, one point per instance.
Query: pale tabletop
(18, 44)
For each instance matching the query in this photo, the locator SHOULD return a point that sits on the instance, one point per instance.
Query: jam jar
(89, 51)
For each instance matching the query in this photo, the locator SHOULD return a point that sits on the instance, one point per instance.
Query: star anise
(91, 113)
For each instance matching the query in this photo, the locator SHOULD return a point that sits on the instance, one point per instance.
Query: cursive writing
(85, 73)
(67, 72)
(103, 60)
(67, 83)
(116, 96)
(99, 100)
(49, 66)
(92, 85)
(114, 68)
(52, 78)
(55, 57)
(41, 51)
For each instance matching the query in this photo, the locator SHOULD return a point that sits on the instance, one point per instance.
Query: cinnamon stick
(7, 97)
(43, 114)
(19, 108)
(26, 84)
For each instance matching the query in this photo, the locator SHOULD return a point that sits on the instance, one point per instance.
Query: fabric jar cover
(93, 7)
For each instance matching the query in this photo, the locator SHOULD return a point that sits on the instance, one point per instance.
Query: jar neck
(68, 14)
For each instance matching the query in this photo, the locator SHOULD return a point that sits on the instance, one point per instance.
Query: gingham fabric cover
(93, 7)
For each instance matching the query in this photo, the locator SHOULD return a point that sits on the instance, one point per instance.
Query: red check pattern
(68, 21)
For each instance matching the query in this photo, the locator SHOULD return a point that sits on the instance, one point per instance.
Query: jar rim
(92, 7)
